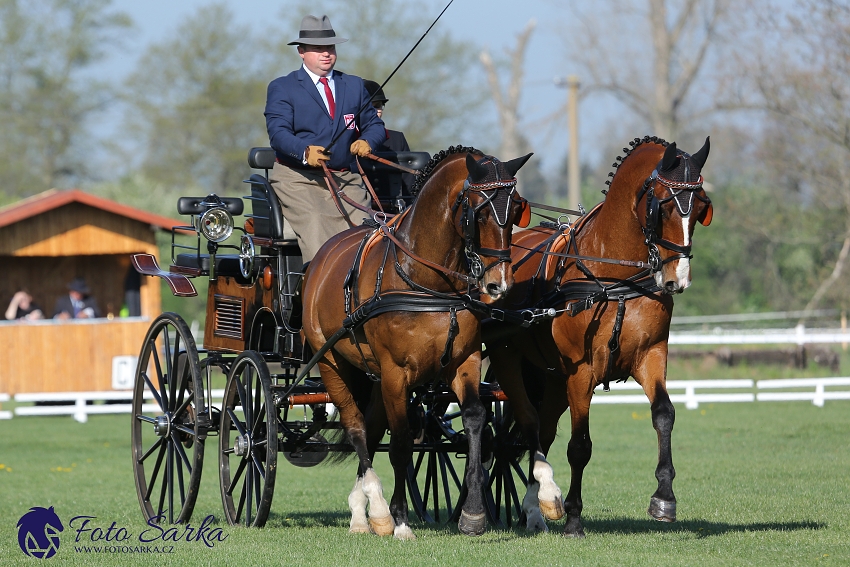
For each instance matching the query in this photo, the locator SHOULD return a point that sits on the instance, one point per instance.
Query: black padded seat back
(410, 160)
(268, 218)
(193, 206)
(261, 158)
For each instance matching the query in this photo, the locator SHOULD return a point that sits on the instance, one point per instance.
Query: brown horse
(410, 283)
(609, 280)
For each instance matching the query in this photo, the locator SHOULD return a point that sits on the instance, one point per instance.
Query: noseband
(683, 194)
(499, 195)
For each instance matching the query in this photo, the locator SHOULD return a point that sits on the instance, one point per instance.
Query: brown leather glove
(315, 155)
(360, 148)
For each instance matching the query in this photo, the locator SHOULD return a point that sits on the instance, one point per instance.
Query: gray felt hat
(317, 31)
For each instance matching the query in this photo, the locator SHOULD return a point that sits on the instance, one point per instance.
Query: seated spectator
(23, 307)
(78, 304)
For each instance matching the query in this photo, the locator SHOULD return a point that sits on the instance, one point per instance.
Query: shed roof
(53, 199)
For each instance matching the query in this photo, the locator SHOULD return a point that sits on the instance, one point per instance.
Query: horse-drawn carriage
(252, 335)
(392, 313)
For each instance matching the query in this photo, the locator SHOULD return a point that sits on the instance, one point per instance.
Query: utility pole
(573, 174)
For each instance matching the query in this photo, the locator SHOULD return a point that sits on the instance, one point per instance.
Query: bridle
(500, 195)
(683, 194)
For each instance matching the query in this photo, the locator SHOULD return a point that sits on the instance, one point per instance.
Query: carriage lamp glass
(216, 224)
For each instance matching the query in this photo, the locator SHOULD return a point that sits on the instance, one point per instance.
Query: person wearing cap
(78, 304)
(305, 111)
(394, 142)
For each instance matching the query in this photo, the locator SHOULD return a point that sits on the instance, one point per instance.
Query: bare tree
(507, 100)
(805, 85)
(650, 54)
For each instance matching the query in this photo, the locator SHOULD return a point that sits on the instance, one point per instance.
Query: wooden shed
(45, 242)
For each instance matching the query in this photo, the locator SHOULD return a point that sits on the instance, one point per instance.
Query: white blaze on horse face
(683, 267)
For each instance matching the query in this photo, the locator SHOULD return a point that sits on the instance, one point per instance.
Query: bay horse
(410, 282)
(609, 280)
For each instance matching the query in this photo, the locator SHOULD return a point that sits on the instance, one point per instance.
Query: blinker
(705, 217)
(524, 214)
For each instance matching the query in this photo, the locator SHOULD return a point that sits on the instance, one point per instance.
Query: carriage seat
(193, 206)
(225, 264)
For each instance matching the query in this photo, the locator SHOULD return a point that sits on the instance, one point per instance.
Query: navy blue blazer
(296, 117)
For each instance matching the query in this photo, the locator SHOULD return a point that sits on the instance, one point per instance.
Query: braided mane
(627, 151)
(426, 171)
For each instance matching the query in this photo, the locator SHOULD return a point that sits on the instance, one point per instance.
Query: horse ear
(475, 171)
(668, 162)
(514, 165)
(702, 155)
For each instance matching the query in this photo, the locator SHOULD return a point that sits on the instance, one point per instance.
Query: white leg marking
(357, 504)
(531, 508)
(683, 267)
(403, 532)
(380, 519)
(543, 473)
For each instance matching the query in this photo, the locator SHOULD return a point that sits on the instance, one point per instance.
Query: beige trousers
(309, 209)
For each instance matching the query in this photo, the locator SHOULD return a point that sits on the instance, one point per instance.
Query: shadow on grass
(700, 528)
(341, 520)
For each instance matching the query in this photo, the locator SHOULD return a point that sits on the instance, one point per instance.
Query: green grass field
(757, 484)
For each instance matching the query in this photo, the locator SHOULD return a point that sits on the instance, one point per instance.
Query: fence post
(691, 398)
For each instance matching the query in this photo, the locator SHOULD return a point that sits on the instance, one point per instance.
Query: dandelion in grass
(63, 469)
(5, 468)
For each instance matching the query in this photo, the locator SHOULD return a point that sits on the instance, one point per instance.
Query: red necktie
(330, 96)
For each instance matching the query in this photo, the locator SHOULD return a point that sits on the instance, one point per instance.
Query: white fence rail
(81, 407)
(798, 335)
(691, 393)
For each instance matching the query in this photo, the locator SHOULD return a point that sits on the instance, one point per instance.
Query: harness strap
(337, 194)
(450, 339)
(614, 343)
(363, 175)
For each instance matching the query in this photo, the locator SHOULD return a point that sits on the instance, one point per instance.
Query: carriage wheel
(506, 481)
(435, 474)
(248, 442)
(167, 439)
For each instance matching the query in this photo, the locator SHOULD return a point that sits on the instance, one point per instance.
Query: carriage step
(180, 285)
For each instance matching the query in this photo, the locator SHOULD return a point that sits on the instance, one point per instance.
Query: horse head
(487, 208)
(674, 200)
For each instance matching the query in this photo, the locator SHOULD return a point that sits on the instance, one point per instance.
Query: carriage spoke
(240, 428)
(249, 481)
(153, 391)
(237, 475)
(180, 473)
(155, 473)
(162, 399)
(170, 474)
(145, 418)
(180, 452)
(150, 451)
(444, 462)
(174, 376)
(185, 404)
(432, 474)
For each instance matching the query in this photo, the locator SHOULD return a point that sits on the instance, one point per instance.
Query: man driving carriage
(306, 111)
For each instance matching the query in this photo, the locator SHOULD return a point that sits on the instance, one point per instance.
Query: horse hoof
(573, 528)
(359, 530)
(471, 524)
(382, 526)
(553, 510)
(662, 510)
